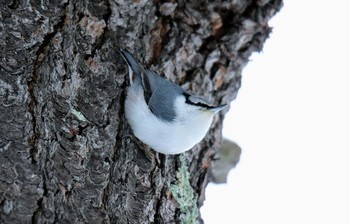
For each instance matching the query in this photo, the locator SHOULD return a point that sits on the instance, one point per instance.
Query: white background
(292, 120)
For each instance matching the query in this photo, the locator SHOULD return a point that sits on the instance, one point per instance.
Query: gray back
(160, 95)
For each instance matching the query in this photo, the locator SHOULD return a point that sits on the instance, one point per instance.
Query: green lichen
(78, 114)
(184, 194)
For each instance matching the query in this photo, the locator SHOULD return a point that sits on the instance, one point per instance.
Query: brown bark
(67, 154)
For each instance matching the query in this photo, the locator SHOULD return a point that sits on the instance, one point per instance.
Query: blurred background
(292, 120)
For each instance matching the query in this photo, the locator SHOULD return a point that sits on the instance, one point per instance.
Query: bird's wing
(160, 95)
(149, 83)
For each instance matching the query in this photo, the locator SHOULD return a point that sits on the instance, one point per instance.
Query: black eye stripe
(188, 101)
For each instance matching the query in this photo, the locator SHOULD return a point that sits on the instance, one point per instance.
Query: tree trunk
(67, 153)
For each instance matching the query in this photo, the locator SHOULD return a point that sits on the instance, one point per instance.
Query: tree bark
(67, 153)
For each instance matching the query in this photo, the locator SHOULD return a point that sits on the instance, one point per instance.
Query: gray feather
(163, 94)
(159, 93)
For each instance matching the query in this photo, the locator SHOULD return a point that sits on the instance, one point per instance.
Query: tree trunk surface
(67, 153)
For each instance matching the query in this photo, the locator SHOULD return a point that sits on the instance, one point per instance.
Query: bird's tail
(135, 69)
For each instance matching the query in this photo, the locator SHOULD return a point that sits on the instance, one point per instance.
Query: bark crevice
(104, 36)
(41, 53)
(33, 81)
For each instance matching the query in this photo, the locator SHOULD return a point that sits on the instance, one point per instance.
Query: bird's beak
(218, 108)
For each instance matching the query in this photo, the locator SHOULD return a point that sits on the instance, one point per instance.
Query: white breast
(164, 137)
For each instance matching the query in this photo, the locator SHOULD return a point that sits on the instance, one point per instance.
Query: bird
(163, 115)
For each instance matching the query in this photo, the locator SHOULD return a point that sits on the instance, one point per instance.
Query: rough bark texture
(67, 154)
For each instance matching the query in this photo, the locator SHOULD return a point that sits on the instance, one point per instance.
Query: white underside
(164, 137)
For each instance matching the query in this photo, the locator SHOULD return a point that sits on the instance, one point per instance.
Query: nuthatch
(163, 115)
